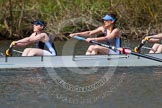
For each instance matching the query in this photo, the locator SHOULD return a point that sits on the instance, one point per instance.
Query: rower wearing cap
(44, 45)
(157, 40)
(111, 35)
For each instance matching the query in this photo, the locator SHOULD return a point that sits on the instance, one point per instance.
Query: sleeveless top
(114, 42)
(49, 46)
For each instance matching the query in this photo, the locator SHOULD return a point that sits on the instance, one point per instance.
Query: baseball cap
(108, 17)
(39, 22)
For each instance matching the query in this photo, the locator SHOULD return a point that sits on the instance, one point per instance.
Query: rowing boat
(79, 61)
(127, 59)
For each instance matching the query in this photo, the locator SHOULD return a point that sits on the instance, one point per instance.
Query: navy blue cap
(39, 22)
(108, 17)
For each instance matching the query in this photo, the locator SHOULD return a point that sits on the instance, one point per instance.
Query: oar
(9, 50)
(144, 47)
(123, 50)
(18, 51)
(138, 48)
(1, 54)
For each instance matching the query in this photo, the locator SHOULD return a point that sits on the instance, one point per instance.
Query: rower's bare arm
(154, 40)
(158, 36)
(39, 37)
(154, 37)
(115, 34)
(87, 33)
(22, 42)
(96, 31)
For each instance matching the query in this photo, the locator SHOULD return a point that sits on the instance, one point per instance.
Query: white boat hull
(79, 61)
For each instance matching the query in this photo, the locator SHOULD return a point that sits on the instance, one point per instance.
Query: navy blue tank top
(49, 46)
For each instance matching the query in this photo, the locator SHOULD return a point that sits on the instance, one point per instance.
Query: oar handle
(9, 50)
(138, 48)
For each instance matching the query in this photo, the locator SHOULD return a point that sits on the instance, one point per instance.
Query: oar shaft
(17, 51)
(149, 48)
(147, 56)
(80, 38)
(1, 54)
(144, 47)
(138, 48)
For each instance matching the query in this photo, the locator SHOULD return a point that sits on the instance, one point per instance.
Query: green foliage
(16, 14)
(1, 26)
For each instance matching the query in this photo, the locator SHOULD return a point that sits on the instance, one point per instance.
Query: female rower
(111, 35)
(44, 46)
(156, 39)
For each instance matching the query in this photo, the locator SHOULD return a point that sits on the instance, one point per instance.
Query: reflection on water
(62, 88)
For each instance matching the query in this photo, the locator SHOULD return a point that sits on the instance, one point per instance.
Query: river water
(104, 87)
(68, 88)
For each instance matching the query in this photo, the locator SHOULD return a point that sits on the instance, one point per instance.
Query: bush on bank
(136, 18)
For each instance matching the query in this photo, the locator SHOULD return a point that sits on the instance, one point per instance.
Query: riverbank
(78, 15)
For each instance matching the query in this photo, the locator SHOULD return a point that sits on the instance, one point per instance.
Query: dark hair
(39, 22)
(114, 16)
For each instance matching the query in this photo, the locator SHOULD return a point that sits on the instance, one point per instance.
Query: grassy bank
(136, 18)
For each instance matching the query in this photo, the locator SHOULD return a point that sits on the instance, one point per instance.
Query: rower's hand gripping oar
(122, 50)
(9, 50)
(95, 42)
(138, 48)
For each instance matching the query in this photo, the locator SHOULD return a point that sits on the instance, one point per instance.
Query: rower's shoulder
(118, 32)
(117, 29)
(44, 33)
(100, 28)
